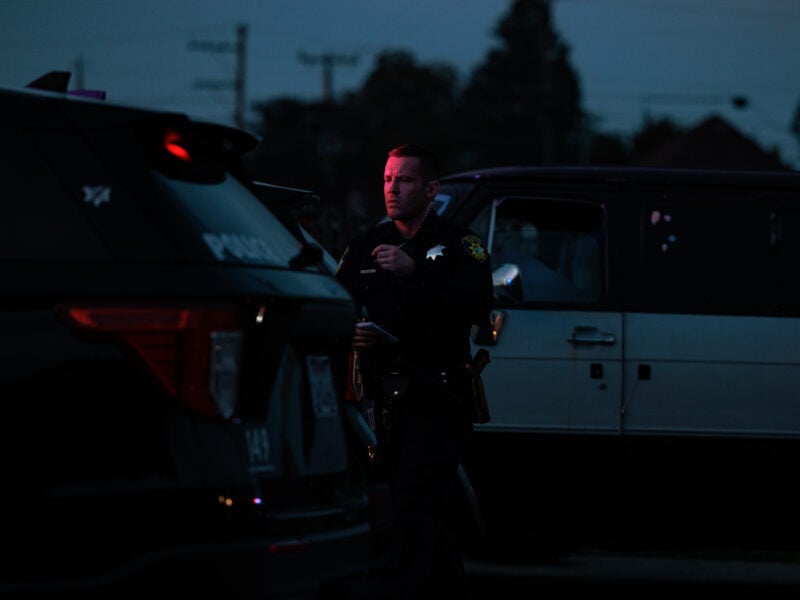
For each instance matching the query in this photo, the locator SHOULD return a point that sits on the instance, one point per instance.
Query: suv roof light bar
(57, 81)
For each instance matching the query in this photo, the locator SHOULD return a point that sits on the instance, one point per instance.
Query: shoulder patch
(474, 247)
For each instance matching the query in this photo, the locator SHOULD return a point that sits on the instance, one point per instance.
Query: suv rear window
(240, 229)
(37, 224)
(105, 195)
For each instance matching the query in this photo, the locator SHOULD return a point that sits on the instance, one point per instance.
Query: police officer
(425, 281)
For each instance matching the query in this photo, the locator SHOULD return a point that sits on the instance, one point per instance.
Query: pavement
(588, 566)
(626, 575)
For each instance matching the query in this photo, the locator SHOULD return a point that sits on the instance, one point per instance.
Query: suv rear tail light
(191, 151)
(194, 352)
(174, 144)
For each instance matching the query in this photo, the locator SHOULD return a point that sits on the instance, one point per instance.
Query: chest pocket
(372, 279)
(376, 289)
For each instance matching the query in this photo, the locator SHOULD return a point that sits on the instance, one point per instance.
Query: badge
(473, 245)
(435, 251)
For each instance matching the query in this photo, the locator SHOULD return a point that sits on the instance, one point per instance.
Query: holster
(466, 384)
(463, 385)
(480, 411)
(480, 406)
(394, 386)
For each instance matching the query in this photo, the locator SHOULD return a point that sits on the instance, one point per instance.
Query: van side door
(556, 350)
(711, 315)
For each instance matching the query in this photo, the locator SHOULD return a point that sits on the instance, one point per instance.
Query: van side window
(708, 254)
(785, 239)
(556, 244)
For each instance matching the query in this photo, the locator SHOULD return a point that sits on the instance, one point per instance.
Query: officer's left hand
(365, 338)
(393, 259)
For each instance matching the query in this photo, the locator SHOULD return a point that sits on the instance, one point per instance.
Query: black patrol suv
(170, 412)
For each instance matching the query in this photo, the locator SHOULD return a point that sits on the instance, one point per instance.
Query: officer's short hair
(428, 161)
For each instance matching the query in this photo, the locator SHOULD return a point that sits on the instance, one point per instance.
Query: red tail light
(194, 352)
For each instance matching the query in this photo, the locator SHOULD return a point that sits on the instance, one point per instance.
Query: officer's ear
(432, 188)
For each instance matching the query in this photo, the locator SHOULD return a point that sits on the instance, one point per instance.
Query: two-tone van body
(645, 349)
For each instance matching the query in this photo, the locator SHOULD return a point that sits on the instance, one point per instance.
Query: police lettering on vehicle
(240, 246)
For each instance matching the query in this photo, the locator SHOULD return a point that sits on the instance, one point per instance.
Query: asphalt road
(628, 574)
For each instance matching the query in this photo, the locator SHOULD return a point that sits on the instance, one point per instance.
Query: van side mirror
(487, 334)
(507, 280)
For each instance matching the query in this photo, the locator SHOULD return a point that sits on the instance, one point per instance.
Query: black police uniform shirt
(432, 310)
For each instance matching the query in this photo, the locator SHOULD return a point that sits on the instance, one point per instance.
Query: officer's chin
(394, 213)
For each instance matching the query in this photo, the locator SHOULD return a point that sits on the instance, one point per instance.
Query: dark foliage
(521, 105)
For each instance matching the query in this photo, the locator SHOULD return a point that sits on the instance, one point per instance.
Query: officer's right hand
(393, 259)
(364, 338)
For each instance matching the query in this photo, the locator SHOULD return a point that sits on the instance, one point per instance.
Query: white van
(646, 330)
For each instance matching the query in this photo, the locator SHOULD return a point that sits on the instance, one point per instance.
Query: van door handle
(591, 335)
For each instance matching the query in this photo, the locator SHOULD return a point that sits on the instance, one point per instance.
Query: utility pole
(547, 94)
(80, 68)
(328, 60)
(239, 47)
(241, 57)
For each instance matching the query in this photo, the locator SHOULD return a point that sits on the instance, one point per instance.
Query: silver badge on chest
(433, 252)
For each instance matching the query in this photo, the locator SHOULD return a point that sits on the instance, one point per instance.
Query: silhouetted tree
(289, 127)
(403, 101)
(339, 148)
(609, 149)
(654, 133)
(316, 146)
(522, 104)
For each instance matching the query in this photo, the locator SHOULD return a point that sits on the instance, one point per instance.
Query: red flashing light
(173, 143)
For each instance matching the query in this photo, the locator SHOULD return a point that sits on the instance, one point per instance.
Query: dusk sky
(684, 59)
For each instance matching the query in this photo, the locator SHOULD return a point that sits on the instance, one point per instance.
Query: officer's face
(405, 193)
